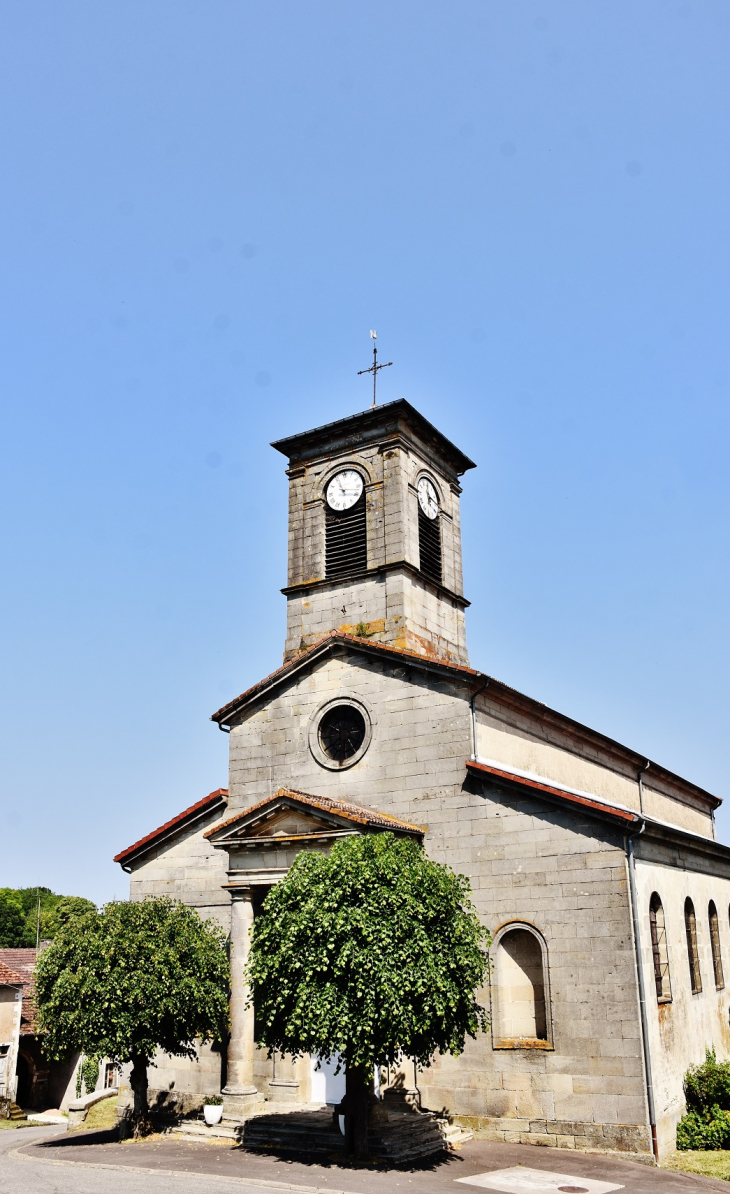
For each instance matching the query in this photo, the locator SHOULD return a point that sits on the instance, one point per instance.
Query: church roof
(571, 796)
(374, 423)
(687, 841)
(194, 812)
(327, 643)
(368, 818)
(477, 681)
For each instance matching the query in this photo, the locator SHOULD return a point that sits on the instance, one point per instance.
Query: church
(596, 870)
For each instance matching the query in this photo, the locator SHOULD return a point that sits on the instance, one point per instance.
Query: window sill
(524, 1043)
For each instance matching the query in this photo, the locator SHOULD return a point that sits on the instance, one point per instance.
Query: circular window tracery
(342, 732)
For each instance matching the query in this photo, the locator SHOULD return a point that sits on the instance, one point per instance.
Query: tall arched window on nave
(715, 943)
(690, 925)
(659, 949)
(519, 989)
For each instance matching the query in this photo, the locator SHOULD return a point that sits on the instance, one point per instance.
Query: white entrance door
(327, 1087)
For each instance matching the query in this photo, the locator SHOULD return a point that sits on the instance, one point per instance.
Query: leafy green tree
(54, 910)
(130, 979)
(370, 952)
(12, 921)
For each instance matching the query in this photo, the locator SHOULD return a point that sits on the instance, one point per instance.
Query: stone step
(197, 1129)
(402, 1138)
(16, 1112)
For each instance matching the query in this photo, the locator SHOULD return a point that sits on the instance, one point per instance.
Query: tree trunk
(138, 1082)
(357, 1089)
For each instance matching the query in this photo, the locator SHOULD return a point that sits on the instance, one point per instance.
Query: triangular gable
(213, 803)
(333, 641)
(291, 816)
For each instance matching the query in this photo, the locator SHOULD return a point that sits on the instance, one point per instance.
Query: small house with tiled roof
(35, 1081)
(11, 997)
(596, 869)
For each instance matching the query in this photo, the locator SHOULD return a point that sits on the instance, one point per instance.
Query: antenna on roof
(375, 366)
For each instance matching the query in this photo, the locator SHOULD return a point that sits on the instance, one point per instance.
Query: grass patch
(100, 1117)
(15, 1123)
(710, 1163)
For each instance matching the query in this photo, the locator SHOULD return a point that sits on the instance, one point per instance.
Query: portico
(262, 842)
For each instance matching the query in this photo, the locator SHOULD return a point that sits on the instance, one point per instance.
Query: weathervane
(374, 367)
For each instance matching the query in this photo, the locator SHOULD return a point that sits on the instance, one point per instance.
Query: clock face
(344, 489)
(428, 498)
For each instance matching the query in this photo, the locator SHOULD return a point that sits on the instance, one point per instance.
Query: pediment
(290, 816)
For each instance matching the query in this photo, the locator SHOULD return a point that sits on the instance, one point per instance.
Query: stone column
(240, 1095)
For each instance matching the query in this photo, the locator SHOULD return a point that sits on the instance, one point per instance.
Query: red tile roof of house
(9, 977)
(22, 962)
(335, 636)
(342, 808)
(200, 806)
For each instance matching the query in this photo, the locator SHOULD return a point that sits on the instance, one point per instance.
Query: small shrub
(362, 630)
(708, 1129)
(212, 1100)
(708, 1085)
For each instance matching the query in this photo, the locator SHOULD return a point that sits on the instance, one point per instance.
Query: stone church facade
(596, 870)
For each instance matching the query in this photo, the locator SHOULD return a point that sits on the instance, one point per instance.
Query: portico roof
(328, 816)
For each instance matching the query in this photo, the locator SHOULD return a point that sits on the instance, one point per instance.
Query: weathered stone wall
(178, 1085)
(521, 738)
(525, 860)
(187, 869)
(680, 1031)
(397, 606)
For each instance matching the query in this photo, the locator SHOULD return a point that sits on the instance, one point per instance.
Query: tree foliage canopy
(134, 977)
(371, 951)
(19, 920)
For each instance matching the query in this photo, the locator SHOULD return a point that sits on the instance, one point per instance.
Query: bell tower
(375, 534)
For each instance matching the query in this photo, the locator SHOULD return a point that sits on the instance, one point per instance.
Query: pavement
(45, 1161)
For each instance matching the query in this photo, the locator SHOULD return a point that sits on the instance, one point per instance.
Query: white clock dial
(344, 489)
(428, 498)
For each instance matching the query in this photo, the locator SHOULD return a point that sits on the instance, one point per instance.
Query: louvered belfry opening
(429, 546)
(346, 540)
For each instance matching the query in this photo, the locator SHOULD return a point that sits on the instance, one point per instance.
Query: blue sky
(206, 207)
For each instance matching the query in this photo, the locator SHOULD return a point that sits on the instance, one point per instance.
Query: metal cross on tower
(374, 367)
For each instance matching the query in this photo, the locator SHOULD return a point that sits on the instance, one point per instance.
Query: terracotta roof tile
(343, 808)
(9, 977)
(211, 799)
(571, 797)
(22, 962)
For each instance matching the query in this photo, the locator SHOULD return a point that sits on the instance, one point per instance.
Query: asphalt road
(49, 1161)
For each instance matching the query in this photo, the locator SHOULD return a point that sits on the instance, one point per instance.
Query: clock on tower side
(375, 534)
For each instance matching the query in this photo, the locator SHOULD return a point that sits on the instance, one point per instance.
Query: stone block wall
(398, 606)
(187, 869)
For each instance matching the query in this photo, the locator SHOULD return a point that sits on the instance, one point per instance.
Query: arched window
(519, 996)
(659, 949)
(715, 943)
(690, 924)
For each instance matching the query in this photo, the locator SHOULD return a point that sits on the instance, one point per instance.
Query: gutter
(642, 992)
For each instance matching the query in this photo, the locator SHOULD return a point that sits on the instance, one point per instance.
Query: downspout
(642, 992)
(475, 754)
